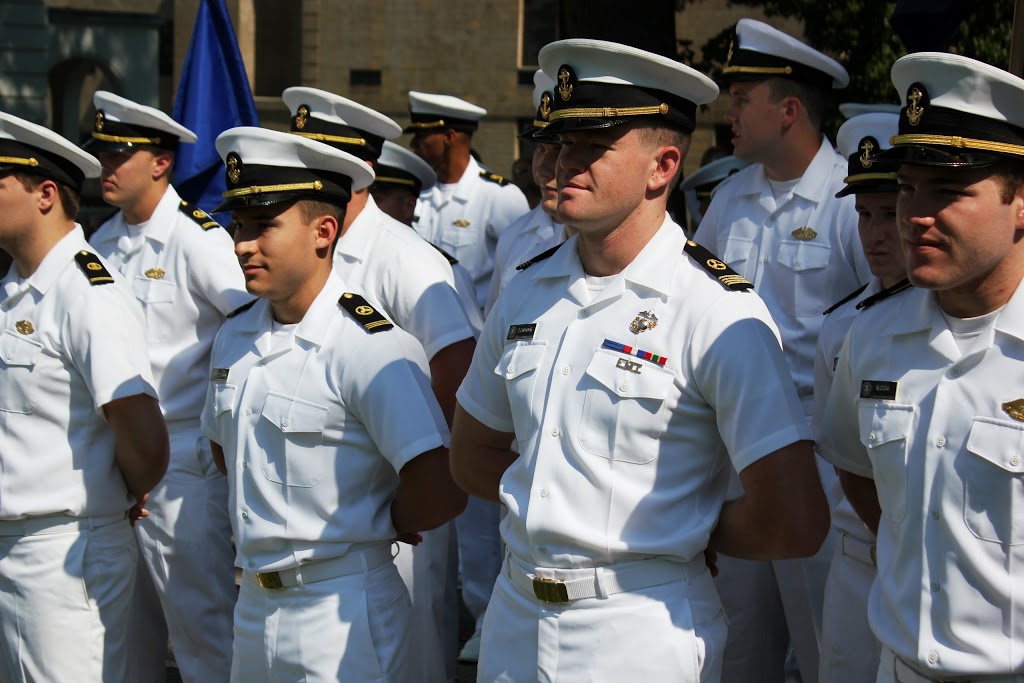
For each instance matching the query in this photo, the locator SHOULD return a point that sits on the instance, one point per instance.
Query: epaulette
(451, 259)
(539, 257)
(846, 298)
(884, 294)
(493, 178)
(241, 309)
(94, 270)
(723, 273)
(367, 316)
(201, 218)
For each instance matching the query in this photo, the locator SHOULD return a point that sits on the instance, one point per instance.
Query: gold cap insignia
(644, 320)
(545, 106)
(461, 223)
(1015, 409)
(915, 109)
(234, 163)
(100, 120)
(301, 116)
(24, 327)
(867, 146)
(804, 234)
(564, 86)
(732, 47)
(155, 273)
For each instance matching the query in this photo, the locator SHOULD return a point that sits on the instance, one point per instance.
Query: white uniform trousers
(190, 582)
(424, 569)
(65, 597)
(352, 628)
(480, 553)
(849, 649)
(674, 631)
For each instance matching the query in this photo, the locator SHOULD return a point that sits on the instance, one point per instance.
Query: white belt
(560, 586)
(858, 549)
(56, 524)
(321, 570)
(906, 674)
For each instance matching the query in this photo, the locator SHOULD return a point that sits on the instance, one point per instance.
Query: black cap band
(435, 122)
(117, 136)
(17, 157)
(257, 185)
(392, 176)
(359, 143)
(748, 65)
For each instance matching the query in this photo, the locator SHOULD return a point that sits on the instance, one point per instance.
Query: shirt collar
(54, 263)
(161, 223)
(814, 184)
(314, 324)
(356, 239)
(464, 188)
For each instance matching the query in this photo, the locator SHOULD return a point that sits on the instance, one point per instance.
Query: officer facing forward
(180, 264)
(926, 415)
(82, 438)
(331, 438)
(635, 373)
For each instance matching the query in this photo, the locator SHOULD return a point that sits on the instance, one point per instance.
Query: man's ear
(49, 196)
(326, 230)
(163, 162)
(669, 162)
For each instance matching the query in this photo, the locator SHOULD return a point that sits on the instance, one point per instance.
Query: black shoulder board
(493, 178)
(884, 294)
(201, 218)
(241, 309)
(539, 257)
(451, 259)
(723, 273)
(846, 298)
(94, 270)
(367, 316)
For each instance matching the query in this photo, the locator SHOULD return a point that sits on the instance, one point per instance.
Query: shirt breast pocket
(622, 418)
(518, 367)
(737, 250)
(807, 263)
(19, 355)
(993, 476)
(293, 458)
(157, 297)
(461, 236)
(884, 428)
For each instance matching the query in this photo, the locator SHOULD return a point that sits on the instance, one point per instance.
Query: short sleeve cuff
(416, 448)
(132, 387)
(753, 452)
(481, 414)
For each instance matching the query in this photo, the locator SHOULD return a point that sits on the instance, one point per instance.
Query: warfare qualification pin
(155, 273)
(645, 320)
(24, 327)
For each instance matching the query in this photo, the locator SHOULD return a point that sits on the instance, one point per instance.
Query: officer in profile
(636, 372)
(83, 440)
(323, 418)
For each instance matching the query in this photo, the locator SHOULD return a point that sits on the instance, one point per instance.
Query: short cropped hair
(813, 98)
(659, 135)
(69, 199)
(1010, 174)
(311, 209)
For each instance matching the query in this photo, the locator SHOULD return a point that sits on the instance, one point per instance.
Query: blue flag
(213, 95)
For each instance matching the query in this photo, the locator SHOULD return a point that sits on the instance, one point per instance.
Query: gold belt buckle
(550, 590)
(270, 581)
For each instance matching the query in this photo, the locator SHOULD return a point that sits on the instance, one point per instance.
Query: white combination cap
(599, 84)
(265, 167)
(759, 51)
(399, 167)
(26, 147)
(861, 139)
(429, 111)
(851, 109)
(120, 125)
(338, 121)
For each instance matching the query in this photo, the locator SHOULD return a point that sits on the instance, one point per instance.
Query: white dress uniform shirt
(315, 427)
(67, 348)
(413, 283)
(943, 444)
(618, 464)
(529, 235)
(186, 279)
(798, 276)
(467, 223)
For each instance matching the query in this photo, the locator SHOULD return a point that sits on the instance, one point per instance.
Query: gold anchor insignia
(564, 88)
(155, 273)
(644, 320)
(804, 234)
(732, 45)
(24, 327)
(1015, 409)
(914, 111)
(715, 264)
(866, 147)
(461, 223)
(301, 117)
(234, 168)
(545, 106)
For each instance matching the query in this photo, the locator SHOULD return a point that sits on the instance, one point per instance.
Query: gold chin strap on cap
(117, 138)
(323, 137)
(397, 181)
(316, 185)
(771, 70)
(608, 112)
(957, 141)
(20, 161)
(862, 177)
(428, 124)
